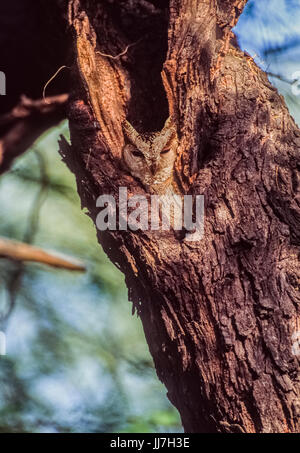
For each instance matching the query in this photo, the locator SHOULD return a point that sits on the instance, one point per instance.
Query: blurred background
(76, 358)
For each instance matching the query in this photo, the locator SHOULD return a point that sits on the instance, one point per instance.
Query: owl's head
(150, 157)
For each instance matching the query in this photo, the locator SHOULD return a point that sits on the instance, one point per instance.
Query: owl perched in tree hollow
(150, 157)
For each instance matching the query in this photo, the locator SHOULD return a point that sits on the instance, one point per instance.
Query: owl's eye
(137, 153)
(165, 151)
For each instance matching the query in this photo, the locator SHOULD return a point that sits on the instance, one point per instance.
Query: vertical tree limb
(220, 314)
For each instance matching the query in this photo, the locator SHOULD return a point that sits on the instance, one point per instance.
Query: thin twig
(120, 54)
(50, 80)
(282, 78)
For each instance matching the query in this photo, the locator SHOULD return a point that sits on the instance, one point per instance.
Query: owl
(150, 157)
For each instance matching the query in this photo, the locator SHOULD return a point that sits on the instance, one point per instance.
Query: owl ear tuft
(168, 133)
(130, 133)
(169, 124)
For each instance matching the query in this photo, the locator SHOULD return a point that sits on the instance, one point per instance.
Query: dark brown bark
(220, 314)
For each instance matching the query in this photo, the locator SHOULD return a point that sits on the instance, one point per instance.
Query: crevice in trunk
(143, 26)
(219, 315)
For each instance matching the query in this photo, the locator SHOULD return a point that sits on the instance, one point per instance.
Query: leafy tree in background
(238, 344)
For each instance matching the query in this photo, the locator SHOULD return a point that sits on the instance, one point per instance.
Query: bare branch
(19, 251)
(25, 123)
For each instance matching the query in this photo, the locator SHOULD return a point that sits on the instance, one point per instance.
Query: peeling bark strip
(220, 315)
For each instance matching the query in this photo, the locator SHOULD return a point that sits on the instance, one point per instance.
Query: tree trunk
(220, 315)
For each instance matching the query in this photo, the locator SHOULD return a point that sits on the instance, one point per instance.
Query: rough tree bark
(220, 315)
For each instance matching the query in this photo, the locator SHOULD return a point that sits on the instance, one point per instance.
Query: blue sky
(270, 25)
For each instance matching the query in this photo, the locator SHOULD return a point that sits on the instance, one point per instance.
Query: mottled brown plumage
(150, 157)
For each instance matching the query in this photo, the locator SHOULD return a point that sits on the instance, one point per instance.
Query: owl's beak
(153, 168)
